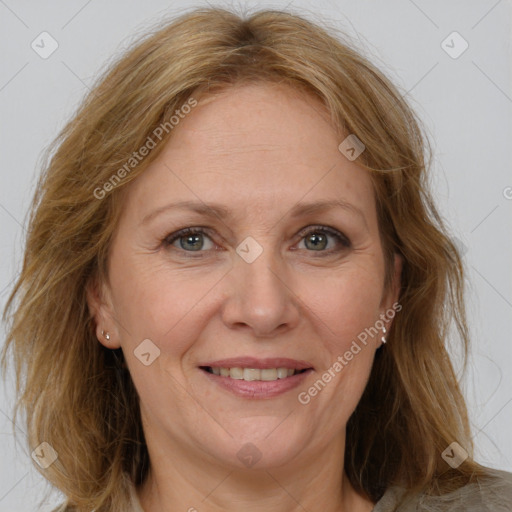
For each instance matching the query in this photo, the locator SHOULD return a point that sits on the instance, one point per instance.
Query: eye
(189, 239)
(315, 238)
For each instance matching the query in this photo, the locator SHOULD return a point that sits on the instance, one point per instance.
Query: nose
(261, 297)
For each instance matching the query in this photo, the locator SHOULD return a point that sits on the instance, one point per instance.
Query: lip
(260, 364)
(257, 389)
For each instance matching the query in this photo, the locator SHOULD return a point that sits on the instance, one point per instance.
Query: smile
(252, 374)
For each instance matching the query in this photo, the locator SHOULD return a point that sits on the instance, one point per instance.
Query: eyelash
(342, 239)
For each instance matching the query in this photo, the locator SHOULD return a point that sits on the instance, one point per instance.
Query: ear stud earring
(106, 335)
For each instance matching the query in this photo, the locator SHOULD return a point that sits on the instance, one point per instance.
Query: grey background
(465, 102)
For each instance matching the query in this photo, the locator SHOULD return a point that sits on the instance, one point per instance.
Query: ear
(101, 309)
(390, 299)
(397, 277)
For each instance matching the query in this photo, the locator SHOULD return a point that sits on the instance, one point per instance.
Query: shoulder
(492, 493)
(495, 491)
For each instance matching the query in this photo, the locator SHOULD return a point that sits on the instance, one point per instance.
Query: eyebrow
(219, 211)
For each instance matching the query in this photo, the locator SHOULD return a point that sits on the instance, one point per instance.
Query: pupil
(316, 238)
(192, 239)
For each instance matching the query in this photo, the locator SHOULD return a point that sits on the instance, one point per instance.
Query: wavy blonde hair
(76, 394)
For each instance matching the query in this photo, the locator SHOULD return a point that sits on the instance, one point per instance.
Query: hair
(76, 394)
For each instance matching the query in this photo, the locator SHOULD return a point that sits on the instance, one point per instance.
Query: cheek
(345, 311)
(348, 304)
(152, 301)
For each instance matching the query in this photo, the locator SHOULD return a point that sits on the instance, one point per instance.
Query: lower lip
(258, 388)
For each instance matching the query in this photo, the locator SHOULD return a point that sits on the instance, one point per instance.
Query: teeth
(250, 374)
(269, 374)
(236, 373)
(282, 373)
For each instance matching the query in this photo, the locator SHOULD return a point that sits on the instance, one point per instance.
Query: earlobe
(100, 309)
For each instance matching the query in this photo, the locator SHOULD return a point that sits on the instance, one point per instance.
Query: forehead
(260, 147)
(262, 121)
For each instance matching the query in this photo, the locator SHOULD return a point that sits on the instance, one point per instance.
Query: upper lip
(254, 362)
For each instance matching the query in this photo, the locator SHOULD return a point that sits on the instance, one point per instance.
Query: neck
(181, 479)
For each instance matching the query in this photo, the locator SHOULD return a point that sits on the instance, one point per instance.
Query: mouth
(249, 377)
(252, 374)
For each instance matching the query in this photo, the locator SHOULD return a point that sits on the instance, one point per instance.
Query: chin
(261, 442)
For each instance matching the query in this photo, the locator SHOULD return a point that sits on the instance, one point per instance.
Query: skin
(258, 149)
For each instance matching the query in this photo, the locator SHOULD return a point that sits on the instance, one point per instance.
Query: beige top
(493, 495)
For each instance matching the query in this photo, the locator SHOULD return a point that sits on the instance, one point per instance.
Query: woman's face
(266, 280)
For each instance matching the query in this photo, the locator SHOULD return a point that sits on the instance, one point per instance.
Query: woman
(236, 289)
